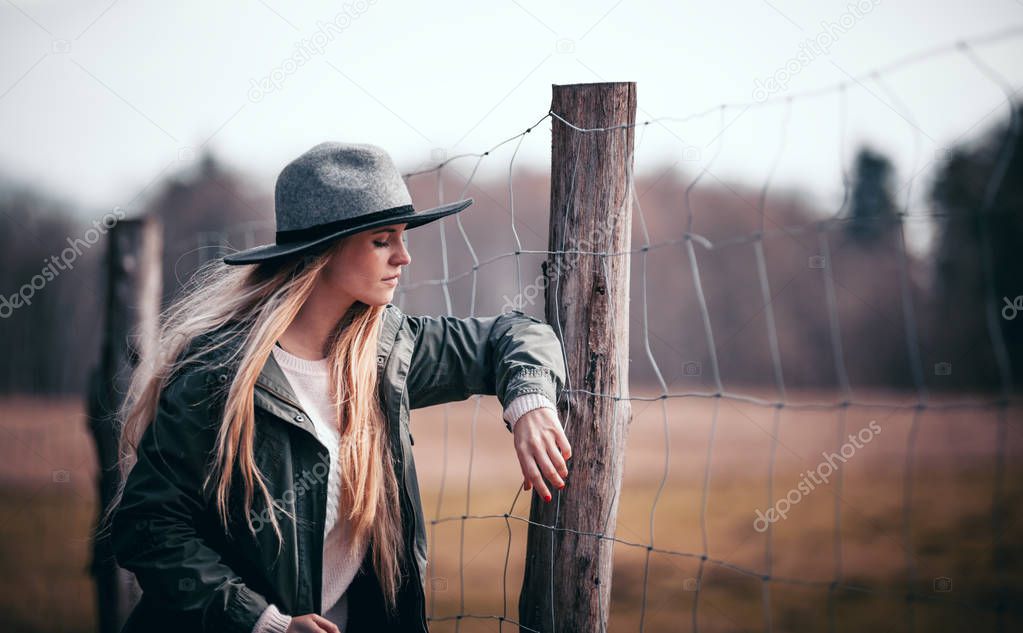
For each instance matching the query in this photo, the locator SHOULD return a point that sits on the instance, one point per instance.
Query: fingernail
(547, 498)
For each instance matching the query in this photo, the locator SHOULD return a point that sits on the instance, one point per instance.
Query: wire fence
(999, 604)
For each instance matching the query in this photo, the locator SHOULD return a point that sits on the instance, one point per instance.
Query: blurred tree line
(207, 208)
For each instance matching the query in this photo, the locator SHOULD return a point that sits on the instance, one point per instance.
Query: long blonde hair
(256, 303)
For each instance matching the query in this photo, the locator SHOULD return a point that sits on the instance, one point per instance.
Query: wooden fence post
(567, 580)
(133, 286)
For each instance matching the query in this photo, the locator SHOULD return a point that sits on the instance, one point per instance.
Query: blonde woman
(268, 481)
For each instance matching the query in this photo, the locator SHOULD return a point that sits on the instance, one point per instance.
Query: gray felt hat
(334, 190)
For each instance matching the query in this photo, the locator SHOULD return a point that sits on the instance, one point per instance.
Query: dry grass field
(47, 504)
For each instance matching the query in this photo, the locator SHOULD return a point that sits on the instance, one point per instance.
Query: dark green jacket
(195, 577)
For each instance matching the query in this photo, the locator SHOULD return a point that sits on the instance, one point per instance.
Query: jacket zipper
(421, 596)
(281, 397)
(411, 542)
(408, 503)
(316, 536)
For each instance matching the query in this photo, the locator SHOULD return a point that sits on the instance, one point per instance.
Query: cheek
(343, 271)
(362, 270)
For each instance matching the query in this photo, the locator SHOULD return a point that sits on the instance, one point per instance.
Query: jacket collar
(273, 381)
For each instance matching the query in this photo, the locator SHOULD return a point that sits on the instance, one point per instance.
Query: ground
(47, 504)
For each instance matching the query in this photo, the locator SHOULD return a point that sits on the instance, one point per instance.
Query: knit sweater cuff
(524, 404)
(272, 621)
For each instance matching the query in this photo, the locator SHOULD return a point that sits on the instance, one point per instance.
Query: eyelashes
(404, 240)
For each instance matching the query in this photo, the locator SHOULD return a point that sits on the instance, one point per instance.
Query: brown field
(47, 504)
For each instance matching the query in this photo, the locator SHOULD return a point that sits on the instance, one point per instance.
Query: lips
(392, 278)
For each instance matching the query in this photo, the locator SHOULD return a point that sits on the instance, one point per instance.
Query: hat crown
(334, 190)
(336, 181)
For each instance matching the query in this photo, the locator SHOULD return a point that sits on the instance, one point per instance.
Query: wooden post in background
(567, 580)
(133, 286)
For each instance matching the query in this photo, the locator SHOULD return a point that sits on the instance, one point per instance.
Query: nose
(403, 258)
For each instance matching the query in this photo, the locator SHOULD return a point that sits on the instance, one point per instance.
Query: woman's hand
(542, 448)
(312, 623)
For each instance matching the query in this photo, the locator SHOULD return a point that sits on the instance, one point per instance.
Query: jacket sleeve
(153, 530)
(507, 355)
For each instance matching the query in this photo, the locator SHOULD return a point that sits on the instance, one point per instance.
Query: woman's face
(360, 266)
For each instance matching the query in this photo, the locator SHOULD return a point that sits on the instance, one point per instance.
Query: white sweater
(308, 378)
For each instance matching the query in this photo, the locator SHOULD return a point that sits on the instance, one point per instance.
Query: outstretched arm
(514, 356)
(507, 355)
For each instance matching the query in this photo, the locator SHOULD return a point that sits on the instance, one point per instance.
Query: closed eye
(380, 244)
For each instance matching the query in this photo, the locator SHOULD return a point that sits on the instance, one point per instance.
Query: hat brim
(267, 252)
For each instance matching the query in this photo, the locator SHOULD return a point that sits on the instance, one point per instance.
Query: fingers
(562, 442)
(556, 458)
(535, 459)
(542, 449)
(556, 451)
(325, 624)
(532, 474)
(543, 462)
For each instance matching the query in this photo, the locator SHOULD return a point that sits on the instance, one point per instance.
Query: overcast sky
(99, 98)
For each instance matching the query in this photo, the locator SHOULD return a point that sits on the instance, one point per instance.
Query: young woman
(268, 481)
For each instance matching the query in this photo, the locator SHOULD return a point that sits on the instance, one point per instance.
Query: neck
(306, 336)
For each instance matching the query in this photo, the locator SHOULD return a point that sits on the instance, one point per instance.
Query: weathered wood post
(133, 286)
(567, 581)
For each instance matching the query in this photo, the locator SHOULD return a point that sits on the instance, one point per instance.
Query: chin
(380, 300)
